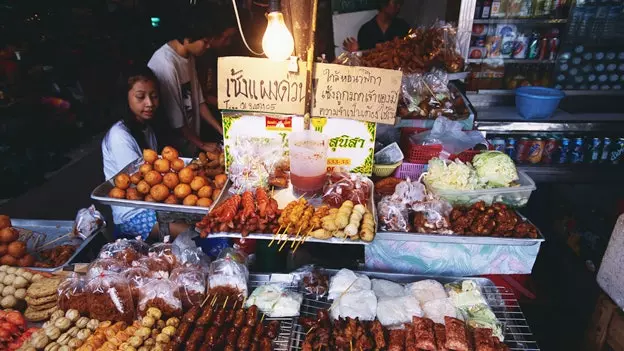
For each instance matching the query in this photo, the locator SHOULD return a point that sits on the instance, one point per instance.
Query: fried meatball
(159, 192)
(149, 198)
(117, 193)
(145, 168)
(169, 153)
(143, 187)
(198, 182)
(186, 175)
(150, 156)
(153, 177)
(204, 202)
(182, 190)
(204, 191)
(5, 221)
(177, 164)
(171, 199)
(122, 181)
(190, 200)
(161, 165)
(133, 194)
(171, 180)
(136, 178)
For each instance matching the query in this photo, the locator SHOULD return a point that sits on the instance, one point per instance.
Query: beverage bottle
(564, 154)
(487, 9)
(585, 26)
(478, 9)
(606, 147)
(575, 22)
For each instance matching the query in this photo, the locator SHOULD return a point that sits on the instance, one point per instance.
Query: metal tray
(463, 239)
(283, 197)
(49, 230)
(100, 194)
(517, 333)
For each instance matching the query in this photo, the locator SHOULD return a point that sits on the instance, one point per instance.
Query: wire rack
(502, 301)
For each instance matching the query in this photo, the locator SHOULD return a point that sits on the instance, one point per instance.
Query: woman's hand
(209, 147)
(350, 44)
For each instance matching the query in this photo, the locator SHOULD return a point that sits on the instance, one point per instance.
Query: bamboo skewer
(226, 300)
(203, 302)
(296, 236)
(214, 300)
(341, 295)
(283, 244)
(275, 236)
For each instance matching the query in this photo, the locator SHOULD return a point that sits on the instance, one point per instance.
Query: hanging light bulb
(277, 42)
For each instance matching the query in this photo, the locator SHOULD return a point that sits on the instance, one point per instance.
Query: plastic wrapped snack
(347, 280)
(436, 310)
(188, 253)
(275, 301)
(165, 251)
(72, 294)
(394, 311)
(385, 288)
(426, 290)
(357, 304)
(102, 265)
(156, 264)
(389, 155)
(481, 316)
(123, 250)
(315, 283)
(162, 294)
(110, 298)
(191, 283)
(346, 186)
(465, 293)
(88, 221)
(393, 215)
(228, 278)
(253, 161)
(137, 276)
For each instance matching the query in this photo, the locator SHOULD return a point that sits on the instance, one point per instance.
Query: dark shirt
(370, 34)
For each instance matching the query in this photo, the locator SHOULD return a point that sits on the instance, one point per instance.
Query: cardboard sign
(260, 85)
(352, 92)
(351, 143)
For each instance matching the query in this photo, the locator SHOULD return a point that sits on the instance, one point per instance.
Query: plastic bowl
(537, 102)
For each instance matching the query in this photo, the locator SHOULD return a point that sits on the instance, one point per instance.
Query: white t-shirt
(180, 91)
(119, 149)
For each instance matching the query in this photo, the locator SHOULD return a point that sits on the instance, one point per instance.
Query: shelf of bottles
(592, 54)
(515, 43)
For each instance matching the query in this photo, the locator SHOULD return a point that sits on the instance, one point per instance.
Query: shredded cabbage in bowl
(454, 175)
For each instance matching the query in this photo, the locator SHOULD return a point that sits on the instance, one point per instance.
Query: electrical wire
(240, 29)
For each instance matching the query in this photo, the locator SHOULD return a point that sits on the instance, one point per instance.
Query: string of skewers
(216, 326)
(249, 213)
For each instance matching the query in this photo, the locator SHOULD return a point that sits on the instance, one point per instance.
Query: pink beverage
(308, 161)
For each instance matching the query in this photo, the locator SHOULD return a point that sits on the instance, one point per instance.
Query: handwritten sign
(360, 93)
(260, 85)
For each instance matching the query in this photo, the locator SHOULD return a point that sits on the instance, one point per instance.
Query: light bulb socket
(274, 6)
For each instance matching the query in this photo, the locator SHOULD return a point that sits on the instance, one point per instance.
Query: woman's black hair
(135, 74)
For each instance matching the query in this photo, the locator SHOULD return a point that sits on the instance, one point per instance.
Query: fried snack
(343, 215)
(367, 228)
(456, 337)
(329, 221)
(122, 181)
(316, 220)
(149, 155)
(351, 230)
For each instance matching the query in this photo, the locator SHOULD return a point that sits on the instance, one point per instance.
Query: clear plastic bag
(72, 294)
(137, 277)
(349, 59)
(394, 311)
(426, 290)
(275, 301)
(389, 155)
(311, 281)
(432, 216)
(188, 253)
(158, 265)
(360, 304)
(385, 288)
(347, 281)
(228, 278)
(122, 249)
(166, 251)
(162, 294)
(450, 134)
(253, 161)
(110, 298)
(393, 215)
(88, 221)
(346, 186)
(191, 283)
(103, 265)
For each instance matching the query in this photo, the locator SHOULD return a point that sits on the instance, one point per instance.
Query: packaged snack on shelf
(188, 253)
(156, 264)
(346, 186)
(465, 293)
(393, 215)
(161, 294)
(88, 221)
(228, 278)
(165, 251)
(395, 311)
(253, 161)
(103, 265)
(275, 301)
(123, 250)
(191, 285)
(110, 298)
(137, 276)
(346, 280)
(355, 304)
(72, 294)
(385, 288)
(312, 281)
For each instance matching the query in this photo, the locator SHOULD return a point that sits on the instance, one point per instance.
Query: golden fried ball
(153, 177)
(204, 202)
(182, 190)
(169, 153)
(143, 187)
(117, 193)
(146, 167)
(177, 164)
(149, 155)
(171, 199)
(171, 180)
(122, 181)
(204, 192)
(159, 192)
(133, 194)
(5, 222)
(198, 182)
(161, 165)
(186, 175)
(190, 200)
(149, 198)
(136, 178)
(215, 194)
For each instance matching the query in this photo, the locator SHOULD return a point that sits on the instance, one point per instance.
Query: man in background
(384, 27)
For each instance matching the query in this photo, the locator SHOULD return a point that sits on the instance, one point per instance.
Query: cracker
(38, 301)
(43, 288)
(43, 307)
(38, 316)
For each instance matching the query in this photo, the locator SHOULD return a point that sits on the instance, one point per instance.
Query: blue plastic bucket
(537, 102)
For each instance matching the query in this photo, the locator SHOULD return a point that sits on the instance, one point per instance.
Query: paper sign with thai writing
(360, 93)
(351, 142)
(260, 85)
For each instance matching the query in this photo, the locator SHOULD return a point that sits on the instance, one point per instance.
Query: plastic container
(308, 161)
(517, 196)
(409, 170)
(385, 170)
(537, 102)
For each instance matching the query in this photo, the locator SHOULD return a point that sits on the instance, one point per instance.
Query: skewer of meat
(252, 316)
(212, 335)
(219, 319)
(258, 333)
(239, 319)
(272, 330)
(376, 329)
(244, 339)
(192, 314)
(249, 206)
(195, 340)
(266, 344)
(182, 332)
(232, 336)
(397, 340)
(206, 316)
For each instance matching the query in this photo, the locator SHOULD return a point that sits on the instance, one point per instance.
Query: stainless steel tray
(517, 333)
(100, 194)
(49, 230)
(462, 239)
(283, 197)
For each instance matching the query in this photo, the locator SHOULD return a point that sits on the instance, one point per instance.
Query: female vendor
(124, 143)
